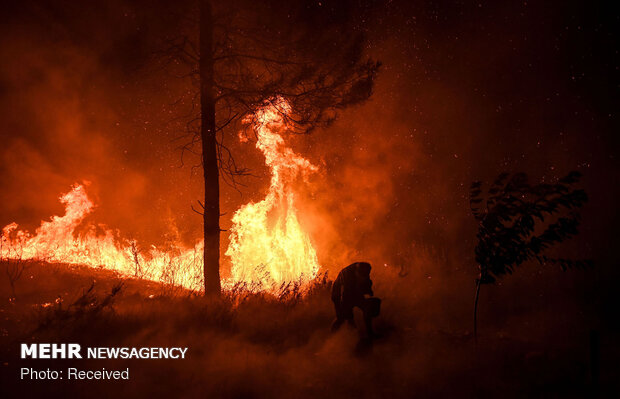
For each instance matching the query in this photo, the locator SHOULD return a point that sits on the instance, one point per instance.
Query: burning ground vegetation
(268, 250)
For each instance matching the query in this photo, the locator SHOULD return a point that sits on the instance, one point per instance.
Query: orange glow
(268, 247)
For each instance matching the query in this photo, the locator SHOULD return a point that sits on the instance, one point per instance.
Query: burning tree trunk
(211, 211)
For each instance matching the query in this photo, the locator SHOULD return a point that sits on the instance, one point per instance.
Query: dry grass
(257, 345)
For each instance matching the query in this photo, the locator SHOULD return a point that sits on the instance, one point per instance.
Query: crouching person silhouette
(349, 290)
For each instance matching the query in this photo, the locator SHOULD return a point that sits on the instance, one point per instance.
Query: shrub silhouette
(518, 222)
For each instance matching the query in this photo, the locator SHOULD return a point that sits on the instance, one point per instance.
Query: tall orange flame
(268, 247)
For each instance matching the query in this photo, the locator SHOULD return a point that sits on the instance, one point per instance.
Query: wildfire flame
(268, 247)
(56, 241)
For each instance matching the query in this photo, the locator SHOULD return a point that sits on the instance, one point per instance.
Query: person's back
(352, 283)
(349, 290)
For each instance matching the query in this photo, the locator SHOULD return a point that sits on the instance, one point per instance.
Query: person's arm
(367, 287)
(337, 289)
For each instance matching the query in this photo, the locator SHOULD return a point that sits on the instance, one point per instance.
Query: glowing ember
(268, 247)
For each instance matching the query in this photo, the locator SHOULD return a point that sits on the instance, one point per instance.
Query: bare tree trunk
(211, 217)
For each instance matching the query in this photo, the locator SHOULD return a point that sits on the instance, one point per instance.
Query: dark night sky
(468, 89)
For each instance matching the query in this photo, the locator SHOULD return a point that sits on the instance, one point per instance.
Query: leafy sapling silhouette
(519, 222)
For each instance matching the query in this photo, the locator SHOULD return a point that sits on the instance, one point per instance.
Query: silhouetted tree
(242, 56)
(518, 222)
